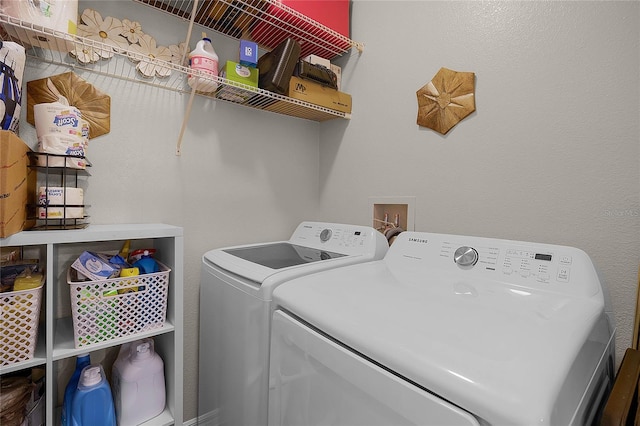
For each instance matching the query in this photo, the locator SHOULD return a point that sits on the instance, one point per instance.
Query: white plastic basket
(19, 315)
(118, 307)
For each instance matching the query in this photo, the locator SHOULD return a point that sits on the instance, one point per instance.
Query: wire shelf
(51, 46)
(267, 22)
(53, 216)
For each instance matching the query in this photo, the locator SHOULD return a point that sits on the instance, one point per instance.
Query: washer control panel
(340, 238)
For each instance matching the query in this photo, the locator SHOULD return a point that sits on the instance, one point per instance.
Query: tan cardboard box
(317, 94)
(17, 184)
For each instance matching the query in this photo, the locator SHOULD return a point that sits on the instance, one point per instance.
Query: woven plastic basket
(117, 307)
(19, 315)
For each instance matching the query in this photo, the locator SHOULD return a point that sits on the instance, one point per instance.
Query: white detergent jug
(203, 58)
(138, 383)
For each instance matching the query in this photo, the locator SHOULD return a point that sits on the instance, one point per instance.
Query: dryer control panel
(558, 268)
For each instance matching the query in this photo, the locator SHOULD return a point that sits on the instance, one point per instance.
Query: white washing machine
(235, 311)
(445, 330)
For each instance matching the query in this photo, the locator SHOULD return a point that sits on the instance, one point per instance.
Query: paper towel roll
(60, 15)
(12, 59)
(60, 130)
(59, 197)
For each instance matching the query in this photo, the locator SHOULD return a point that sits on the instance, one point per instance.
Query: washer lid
(503, 353)
(256, 263)
(314, 246)
(281, 255)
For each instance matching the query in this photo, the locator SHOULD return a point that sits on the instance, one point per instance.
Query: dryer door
(315, 381)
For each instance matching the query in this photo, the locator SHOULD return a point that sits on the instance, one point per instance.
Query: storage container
(327, 40)
(117, 307)
(275, 68)
(82, 361)
(92, 403)
(139, 390)
(19, 315)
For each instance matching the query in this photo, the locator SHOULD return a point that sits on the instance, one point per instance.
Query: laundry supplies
(81, 362)
(138, 383)
(92, 402)
(203, 59)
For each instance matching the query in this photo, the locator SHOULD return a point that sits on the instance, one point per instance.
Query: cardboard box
(17, 184)
(338, 72)
(237, 73)
(314, 93)
(317, 60)
(248, 53)
(333, 14)
(95, 266)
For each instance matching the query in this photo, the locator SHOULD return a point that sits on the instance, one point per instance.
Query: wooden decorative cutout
(446, 100)
(94, 104)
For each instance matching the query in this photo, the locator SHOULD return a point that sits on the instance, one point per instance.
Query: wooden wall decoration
(446, 100)
(94, 104)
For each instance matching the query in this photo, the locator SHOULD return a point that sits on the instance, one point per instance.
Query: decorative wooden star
(446, 100)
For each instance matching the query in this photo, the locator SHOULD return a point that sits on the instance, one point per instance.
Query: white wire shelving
(233, 18)
(266, 22)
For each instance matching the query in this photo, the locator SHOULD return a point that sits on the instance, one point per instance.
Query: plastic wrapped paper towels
(61, 130)
(59, 197)
(61, 15)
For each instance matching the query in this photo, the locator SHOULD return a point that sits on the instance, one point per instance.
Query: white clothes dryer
(445, 330)
(235, 311)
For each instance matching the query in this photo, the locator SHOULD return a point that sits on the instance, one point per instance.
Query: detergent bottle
(81, 362)
(93, 403)
(146, 264)
(138, 383)
(203, 58)
(28, 280)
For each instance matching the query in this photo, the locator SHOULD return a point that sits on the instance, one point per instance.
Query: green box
(238, 78)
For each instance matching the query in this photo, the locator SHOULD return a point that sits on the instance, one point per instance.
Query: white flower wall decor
(107, 31)
(148, 51)
(115, 35)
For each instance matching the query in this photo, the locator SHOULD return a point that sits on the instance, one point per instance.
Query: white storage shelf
(55, 338)
(52, 46)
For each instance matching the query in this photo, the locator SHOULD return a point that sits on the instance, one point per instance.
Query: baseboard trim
(207, 419)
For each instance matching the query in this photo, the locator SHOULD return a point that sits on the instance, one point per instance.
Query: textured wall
(552, 153)
(244, 175)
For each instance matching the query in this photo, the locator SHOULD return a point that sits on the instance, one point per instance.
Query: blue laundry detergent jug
(147, 264)
(93, 403)
(81, 362)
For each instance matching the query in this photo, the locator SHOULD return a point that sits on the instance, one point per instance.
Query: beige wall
(551, 155)
(244, 176)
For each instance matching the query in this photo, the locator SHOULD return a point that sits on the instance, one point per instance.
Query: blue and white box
(95, 266)
(248, 53)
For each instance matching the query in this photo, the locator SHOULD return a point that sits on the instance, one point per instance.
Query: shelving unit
(56, 339)
(238, 18)
(44, 44)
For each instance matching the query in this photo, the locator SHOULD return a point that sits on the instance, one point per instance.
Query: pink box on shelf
(333, 14)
